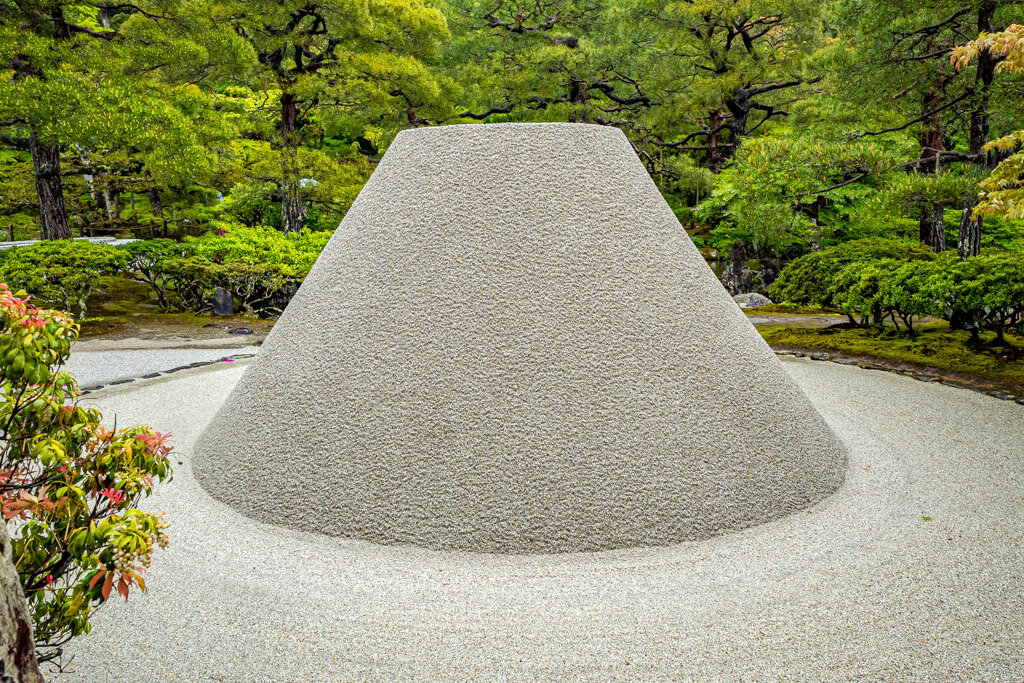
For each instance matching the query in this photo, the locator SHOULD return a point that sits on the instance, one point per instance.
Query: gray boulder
(751, 300)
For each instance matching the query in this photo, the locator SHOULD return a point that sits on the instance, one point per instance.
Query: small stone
(151, 375)
(820, 356)
(798, 354)
(924, 378)
(222, 302)
(241, 330)
(122, 381)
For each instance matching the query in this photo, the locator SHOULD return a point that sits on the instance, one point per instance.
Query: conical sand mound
(510, 345)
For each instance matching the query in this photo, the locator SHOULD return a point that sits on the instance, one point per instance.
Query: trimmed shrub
(61, 272)
(69, 485)
(809, 280)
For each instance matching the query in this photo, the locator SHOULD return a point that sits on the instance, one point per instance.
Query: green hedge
(872, 280)
(60, 273)
(261, 267)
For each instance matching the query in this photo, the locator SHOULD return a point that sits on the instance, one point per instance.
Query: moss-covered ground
(934, 347)
(120, 307)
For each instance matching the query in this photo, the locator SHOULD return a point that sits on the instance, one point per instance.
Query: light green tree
(95, 76)
(330, 67)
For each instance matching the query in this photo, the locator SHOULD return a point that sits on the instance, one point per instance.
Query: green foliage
(145, 262)
(873, 279)
(261, 267)
(809, 279)
(293, 253)
(61, 272)
(69, 486)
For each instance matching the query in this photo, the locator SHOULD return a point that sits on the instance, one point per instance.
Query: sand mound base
(511, 346)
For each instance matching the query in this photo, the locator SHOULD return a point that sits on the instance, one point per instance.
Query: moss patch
(789, 309)
(934, 347)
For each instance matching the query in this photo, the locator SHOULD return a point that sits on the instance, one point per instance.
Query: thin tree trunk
(932, 228)
(293, 209)
(53, 215)
(17, 644)
(969, 243)
(155, 207)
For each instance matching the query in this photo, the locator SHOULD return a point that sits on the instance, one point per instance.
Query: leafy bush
(809, 280)
(984, 292)
(193, 280)
(293, 253)
(69, 487)
(145, 261)
(61, 272)
(261, 267)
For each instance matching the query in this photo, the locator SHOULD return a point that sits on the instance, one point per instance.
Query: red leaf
(107, 585)
(122, 589)
(96, 577)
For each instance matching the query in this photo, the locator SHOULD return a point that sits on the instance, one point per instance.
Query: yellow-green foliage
(1002, 193)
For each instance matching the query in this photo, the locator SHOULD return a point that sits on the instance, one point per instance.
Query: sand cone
(510, 345)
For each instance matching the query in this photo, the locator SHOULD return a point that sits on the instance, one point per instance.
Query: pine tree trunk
(932, 228)
(969, 242)
(53, 215)
(293, 209)
(17, 644)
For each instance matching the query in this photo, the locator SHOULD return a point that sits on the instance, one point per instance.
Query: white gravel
(860, 587)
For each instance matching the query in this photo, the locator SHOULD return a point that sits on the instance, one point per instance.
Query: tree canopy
(787, 124)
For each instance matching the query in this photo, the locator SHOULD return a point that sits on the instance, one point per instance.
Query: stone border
(152, 375)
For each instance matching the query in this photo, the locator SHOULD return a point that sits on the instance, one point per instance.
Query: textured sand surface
(511, 345)
(860, 587)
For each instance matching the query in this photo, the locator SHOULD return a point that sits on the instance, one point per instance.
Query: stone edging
(153, 375)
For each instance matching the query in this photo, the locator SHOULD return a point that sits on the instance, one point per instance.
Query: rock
(820, 356)
(151, 375)
(241, 330)
(737, 277)
(752, 300)
(222, 302)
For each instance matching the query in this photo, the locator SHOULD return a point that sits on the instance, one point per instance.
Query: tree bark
(53, 215)
(969, 242)
(17, 644)
(932, 228)
(293, 208)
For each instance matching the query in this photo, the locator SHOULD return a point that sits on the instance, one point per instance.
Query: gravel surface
(862, 586)
(102, 367)
(511, 345)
